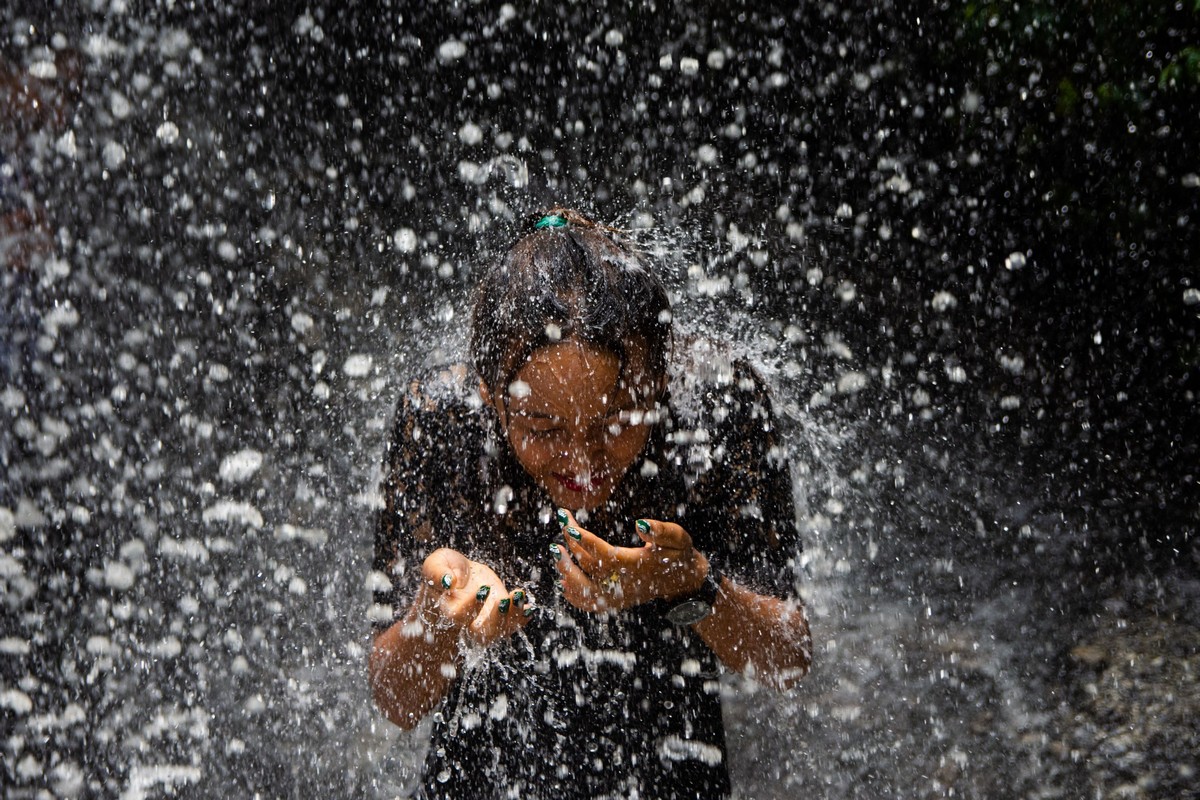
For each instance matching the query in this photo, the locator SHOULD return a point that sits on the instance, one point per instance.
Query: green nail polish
(447, 581)
(551, 221)
(562, 516)
(504, 605)
(643, 526)
(519, 597)
(483, 593)
(556, 551)
(529, 611)
(574, 534)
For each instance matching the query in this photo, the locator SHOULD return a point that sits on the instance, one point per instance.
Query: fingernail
(483, 593)
(529, 611)
(574, 534)
(643, 526)
(504, 605)
(447, 581)
(562, 516)
(519, 597)
(556, 551)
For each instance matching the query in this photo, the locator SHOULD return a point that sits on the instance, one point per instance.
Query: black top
(619, 704)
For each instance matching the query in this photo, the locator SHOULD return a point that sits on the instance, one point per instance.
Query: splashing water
(230, 235)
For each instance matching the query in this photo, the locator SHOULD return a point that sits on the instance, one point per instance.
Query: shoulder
(727, 441)
(449, 389)
(711, 386)
(721, 418)
(436, 402)
(443, 387)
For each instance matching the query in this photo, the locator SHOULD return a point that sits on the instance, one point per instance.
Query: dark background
(1035, 161)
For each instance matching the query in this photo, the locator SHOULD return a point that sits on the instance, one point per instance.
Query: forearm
(766, 633)
(412, 665)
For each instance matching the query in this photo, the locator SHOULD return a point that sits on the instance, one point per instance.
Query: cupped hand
(598, 576)
(468, 597)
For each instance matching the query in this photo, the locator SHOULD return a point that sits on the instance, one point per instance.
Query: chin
(573, 501)
(581, 500)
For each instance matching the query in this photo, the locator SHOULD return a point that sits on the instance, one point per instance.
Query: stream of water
(230, 234)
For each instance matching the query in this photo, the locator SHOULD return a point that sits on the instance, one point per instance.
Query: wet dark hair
(576, 280)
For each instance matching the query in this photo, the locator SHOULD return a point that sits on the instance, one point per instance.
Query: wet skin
(577, 426)
(575, 422)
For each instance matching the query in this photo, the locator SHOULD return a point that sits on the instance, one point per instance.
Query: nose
(586, 447)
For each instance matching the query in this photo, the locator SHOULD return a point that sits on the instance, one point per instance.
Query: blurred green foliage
(1087, 116)
(1111, 55)
(1184, 69)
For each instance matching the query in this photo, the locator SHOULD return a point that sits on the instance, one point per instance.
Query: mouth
(582, 484)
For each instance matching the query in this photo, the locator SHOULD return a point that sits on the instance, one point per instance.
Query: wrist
(690, 608)
(701, 568)
(426, 620)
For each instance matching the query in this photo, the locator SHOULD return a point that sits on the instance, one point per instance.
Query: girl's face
(574, 422)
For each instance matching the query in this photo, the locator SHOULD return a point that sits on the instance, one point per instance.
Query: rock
(1134, 717)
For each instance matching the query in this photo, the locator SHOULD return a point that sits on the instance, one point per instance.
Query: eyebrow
(632, 404)
(536, 415)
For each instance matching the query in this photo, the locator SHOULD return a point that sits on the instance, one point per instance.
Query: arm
(435, 612)
(459, 603)
(750, 632)
(759, 634)
(412, 665)
(754, 630)
(757, 625)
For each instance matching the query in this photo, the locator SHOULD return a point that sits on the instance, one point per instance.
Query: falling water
(953, 236)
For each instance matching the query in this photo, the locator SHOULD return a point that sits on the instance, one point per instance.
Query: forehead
(576, 376)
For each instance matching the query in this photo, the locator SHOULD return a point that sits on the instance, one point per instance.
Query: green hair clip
(551, 221)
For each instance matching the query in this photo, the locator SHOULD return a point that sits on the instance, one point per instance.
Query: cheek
(625, 449)
(532, 453)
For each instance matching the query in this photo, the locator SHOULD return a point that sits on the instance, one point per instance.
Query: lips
(573, 483)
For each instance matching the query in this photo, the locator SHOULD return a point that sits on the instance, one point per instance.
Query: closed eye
(539, 427)
(630, 416)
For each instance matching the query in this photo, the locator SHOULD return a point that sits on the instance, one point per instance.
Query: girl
(576, 535)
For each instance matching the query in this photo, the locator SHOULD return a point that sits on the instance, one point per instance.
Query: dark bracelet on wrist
(690, 609)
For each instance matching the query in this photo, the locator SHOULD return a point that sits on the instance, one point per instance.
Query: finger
(571, 527)
(445, 571)
(484, 586)
(562, 560)
(591, 553)
(568, 525)
(568, 571)
(517, 611)
(516, 605)
(511, 612)
(445, 568)
(663, 534)
(583, 592)
(463, 591)
(488, 624)
(524, 608)
(564, 518)
(594, 554)
(464, 604)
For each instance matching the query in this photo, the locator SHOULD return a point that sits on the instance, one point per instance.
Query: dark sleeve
(420, 478)
(748, 508)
